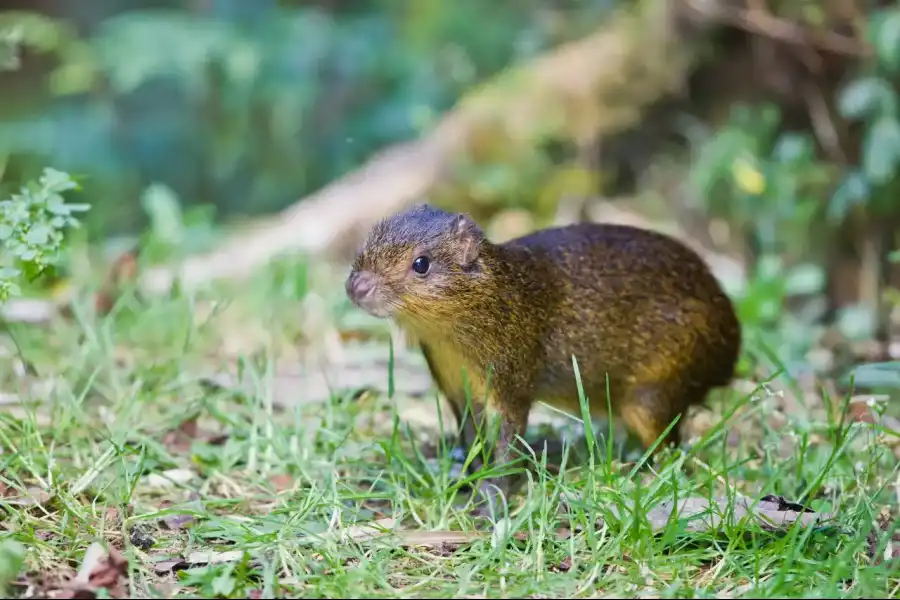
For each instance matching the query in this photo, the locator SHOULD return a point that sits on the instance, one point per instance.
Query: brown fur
(629, 303)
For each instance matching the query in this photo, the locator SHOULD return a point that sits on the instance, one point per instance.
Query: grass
(134, 450)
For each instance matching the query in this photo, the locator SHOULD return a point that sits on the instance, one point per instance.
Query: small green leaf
(161, 205)
(881, 150)
(223, 584)
(867, 96)
(853, 190)
(57, 181)
(885, 35)
(792, 148)
(38, 235)
(10, 39)
(806, 278)
(856, 322)
(769, 267)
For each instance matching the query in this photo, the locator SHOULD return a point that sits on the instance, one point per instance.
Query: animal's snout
(362, 289)
(360, 285)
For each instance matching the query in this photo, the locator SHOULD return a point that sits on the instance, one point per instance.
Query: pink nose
(360, 285)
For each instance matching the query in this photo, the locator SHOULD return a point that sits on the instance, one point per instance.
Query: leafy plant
(872, 100)
(31, 228)
(249, 108)
(768, 184)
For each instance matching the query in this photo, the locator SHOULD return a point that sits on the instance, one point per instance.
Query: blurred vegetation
(178, 115)
(244, 107)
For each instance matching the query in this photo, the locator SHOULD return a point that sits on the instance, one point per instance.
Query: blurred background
(764, 133)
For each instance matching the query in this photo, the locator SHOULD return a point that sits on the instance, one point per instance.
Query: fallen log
(596, 86)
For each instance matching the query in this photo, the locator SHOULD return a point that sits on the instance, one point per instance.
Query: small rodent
(631, 303)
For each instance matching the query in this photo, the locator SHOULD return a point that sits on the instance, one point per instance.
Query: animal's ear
(469, 237)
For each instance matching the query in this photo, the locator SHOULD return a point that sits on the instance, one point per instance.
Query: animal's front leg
(469, 421)
(513, 423)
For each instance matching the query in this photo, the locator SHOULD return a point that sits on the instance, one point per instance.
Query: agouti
(631, 304)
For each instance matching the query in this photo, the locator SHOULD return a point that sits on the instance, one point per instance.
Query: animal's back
(635, 305)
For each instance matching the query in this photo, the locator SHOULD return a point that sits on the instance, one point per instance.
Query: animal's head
(417, 265)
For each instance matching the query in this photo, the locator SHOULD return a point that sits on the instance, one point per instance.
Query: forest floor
(174, 447)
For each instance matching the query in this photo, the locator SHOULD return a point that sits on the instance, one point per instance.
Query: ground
(187, 446)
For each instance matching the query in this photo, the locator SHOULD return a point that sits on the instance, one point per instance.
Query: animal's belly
(563, 395)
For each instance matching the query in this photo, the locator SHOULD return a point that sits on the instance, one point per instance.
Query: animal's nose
(360, 285)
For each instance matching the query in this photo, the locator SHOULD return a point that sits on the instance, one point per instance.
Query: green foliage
(12, 556)
(769, 184)
(31, 228)
(872, 100)
(251, 107)
(788, 202)
(10, 39)
(766, 182)
(174, 232)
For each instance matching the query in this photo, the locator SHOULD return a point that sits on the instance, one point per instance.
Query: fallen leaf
(564, 565)
(701, 514)
(436, 538)
(208, 557)
(783, 504)
(111, 515)
(33, 496)
(181, 438)
(169, 565)
(883, 523)
(168, 479)
(281, 482)
(124, 270)
(100, 569)
(179, 521)
(861, 409)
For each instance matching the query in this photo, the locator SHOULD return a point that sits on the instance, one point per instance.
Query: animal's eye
(421, 265)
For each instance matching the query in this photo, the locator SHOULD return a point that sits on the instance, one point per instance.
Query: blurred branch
(760, 22)
(596, 86)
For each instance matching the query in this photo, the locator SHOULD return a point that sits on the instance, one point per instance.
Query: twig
(765, 24)
(822, 123)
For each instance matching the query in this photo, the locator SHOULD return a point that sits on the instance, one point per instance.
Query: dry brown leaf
(167, 566)
(169, 478)
(891, 552)
(122, 272)
(100, 569)
(33, 496)
(564, 565)
(862, 408)
(179, 521)
(281, 482)
(436, 538)
(770, 513)
(180, 439)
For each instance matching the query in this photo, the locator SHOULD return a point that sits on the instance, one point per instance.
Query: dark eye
(421, 265)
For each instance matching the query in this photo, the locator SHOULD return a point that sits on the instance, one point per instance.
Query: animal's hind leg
(649, 410)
